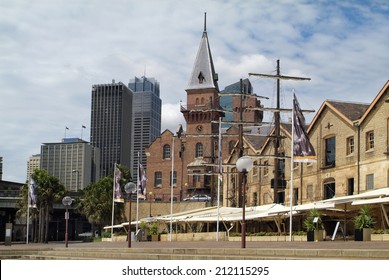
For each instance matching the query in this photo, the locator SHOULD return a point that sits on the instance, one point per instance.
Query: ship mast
(276, 136)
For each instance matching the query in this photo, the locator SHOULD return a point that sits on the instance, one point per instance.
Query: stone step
(191, 254)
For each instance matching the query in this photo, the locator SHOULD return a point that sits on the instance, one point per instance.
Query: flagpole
(113, 200)
(219, 178)
(291, 171)
(137, 195)
(171, 193)
(28, 216)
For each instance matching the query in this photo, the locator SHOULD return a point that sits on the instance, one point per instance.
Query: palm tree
(49, 191)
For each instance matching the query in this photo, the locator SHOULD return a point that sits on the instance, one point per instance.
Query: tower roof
(203, 73)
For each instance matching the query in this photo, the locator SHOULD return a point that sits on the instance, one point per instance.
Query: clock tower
(202, 112)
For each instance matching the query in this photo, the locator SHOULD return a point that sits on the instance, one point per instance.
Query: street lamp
(67, 201)
(129, 188)
(244, 164)
(150, 194)
(78, 173)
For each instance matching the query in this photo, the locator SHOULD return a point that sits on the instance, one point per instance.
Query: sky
(53, 51)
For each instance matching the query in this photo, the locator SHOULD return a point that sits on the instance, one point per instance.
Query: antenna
(205, 22)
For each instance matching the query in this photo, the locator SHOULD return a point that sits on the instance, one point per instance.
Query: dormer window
(201, 78)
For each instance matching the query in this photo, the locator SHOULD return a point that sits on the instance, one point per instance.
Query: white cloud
(52, 52)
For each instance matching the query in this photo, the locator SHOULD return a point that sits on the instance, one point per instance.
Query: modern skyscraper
(146, 118)
(111, 131)
(72, 161)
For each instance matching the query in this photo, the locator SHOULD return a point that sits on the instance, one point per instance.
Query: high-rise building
(146, 117)
(34, 162)
(73, 161)
(111, 131)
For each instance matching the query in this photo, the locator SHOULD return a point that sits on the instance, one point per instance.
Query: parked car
(198, 197)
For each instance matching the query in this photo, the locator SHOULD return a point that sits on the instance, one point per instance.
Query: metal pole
(129, 224)
(291, 173)
(171, 194)
(66, 229)
(243, 245)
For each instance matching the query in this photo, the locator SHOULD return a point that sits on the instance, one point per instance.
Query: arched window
(199, 150)
(166, 151)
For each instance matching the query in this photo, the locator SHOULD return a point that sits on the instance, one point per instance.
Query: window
(369, 140)
(201, 78)
(265, 168)
(310, 192)
(329, 160)
(158, 179)
(174, 178)
(329, 190)
(350, 145)
(199, 150)
(196, 178)
(166, 151)
(255, 199)
(370, 182)
(350, 186)
(281, 166)
(255, 169)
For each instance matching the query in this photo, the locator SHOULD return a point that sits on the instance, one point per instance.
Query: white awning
(314, 205)
(371, 201)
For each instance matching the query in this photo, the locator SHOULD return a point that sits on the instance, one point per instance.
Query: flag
(32, 199)
(117, 189)
(303, 150)
(141, 180)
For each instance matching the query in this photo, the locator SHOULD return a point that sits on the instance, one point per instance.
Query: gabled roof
(348, 111)
(203, 73)
(382, 92)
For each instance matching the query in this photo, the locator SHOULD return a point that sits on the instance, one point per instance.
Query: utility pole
(276, 134)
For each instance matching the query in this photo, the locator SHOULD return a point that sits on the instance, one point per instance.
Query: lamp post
(67, 201)
(78, 173)
(150, 194)
(129, 188)
(244, 164)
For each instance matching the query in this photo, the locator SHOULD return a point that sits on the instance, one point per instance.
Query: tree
(49, 191)
(95, 201)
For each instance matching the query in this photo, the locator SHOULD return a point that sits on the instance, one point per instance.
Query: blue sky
(53, 51)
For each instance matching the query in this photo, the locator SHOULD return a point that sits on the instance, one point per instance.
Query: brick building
(196, 150)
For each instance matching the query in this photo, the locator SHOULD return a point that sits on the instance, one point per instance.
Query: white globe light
(244, 163)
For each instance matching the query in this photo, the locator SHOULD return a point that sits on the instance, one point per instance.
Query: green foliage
(106, 234)
(48, 190)
(309, 220)
(364, 219)
(95, 200)
(153, 229)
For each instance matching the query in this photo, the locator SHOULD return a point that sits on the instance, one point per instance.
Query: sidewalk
(335, 245)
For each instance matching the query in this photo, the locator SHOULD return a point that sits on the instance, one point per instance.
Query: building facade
(73, 161)
(351, 143)
(111, 114)
(146, 118)
(34, 162)
(193, 155)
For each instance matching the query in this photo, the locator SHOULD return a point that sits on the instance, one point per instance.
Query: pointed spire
(203, 73)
